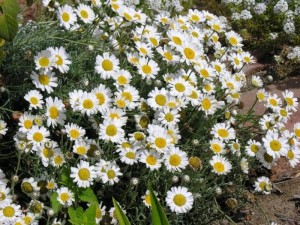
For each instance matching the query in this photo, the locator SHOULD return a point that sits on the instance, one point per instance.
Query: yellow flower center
(168, 56)
(127, 96)
(8, 211)
(236, 61)
(233, 41)
(230, 85)
(127, 16)
(179, 200)
(122, 80)
(138, 136)
(34, 100)
(84, 14)
(151, 160)
(143, 51)
(261, 96)
(254, 148)
(207, 87)
(283, 112)
(216, 148)
(275, 145)
(219, 167)
(28, 124)
(27, 187)
(2, 196)
(273, 102)
(160, 99)
(169, 117)
(130, 155)
(53, 111)
(289, 101)
(81, 150)
(121, 103)
(189, 53)
(175, 160)
(107, 65)
(297, 133)
(154, 41)
(98, 213)
(268, 158)
(148, 199)
(65, 17)
(58, 160)
(88, 104)
(195, 18)
(44, 79)
(177, 40)
(144, 121)
(38, 136)
(44, 62)
(160, 142)
(59, 60)
(290, 155)
(114, 116)
(206, 104)
(48, 152)
(64, 197)
(74, 134)
(111, 174)
(84, 174)
(147, 69)
(216, 27)
(111, 130)
(262, 185)
(204, 73)
(179, 87)
(194, 95)
(101, 98)
(223, 133)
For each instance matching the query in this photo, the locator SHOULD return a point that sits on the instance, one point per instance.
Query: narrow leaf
(157, 213)
(122, 218)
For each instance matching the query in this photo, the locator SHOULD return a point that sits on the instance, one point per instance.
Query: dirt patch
(278, 208)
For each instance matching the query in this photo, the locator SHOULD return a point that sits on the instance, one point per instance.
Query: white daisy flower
(35, 99)
(144, 49)
(293, 155)
(152, 159)
(276, 146)
(257, 81)
(45, 81)
(9, 213)
(234, 39)
(157, 98)
(273, 101)
(25, 122)
(129, 156)
(55, 112)
(217, 146)
(3, 127)
(167, 116)
(5, 196)
(220, 165)
(168, 54)
(62, 61)
(83, 174)
(261, 95)
(66, 16)
(38, 135)
(252, 147)
(107, 65)
(29, 186)
(110, 130)
(65, 196)
(179, 199)
(158, 138)
(74, 131)
(57, 160)
(87, 104)
(175, 159)
(122, 78)
(44, 60)
(114, 113)
(223, 131)
(85, 13)
(111, 174)
(100, 212)
(263, 184)
(147, 198)
(81, 147)
(147, 68)
(290, 100)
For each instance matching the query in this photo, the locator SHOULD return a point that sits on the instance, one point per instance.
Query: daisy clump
(124, 94)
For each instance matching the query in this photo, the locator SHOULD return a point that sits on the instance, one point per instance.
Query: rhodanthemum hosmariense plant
(112, 98)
